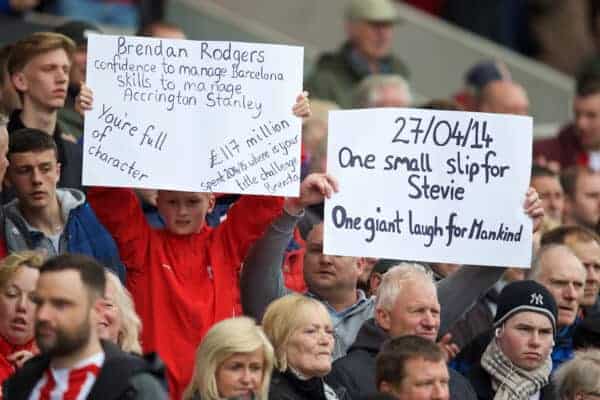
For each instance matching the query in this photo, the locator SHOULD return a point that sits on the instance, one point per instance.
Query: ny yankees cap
(523, 296)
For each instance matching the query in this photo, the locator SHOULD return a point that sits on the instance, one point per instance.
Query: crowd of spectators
(116, 293)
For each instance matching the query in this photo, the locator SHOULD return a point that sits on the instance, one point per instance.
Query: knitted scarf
(509, 381)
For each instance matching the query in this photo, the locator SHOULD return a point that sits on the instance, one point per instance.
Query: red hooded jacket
(182, 284)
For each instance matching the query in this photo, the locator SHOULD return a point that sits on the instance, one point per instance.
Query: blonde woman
(19, 273)
(118, 320)
(234, 360)
(579, 378)
(301, 332)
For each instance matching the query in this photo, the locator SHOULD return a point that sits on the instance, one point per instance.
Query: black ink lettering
(352, 160)
(396, 138)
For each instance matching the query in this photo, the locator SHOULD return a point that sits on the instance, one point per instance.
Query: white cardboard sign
(193, 115)
(432, 186)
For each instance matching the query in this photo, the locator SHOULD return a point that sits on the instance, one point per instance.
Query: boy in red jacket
(184, 278)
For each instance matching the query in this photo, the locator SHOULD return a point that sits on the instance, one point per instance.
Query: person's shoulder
(146, 386)
(549, 392)
(123, 372)
(70, 144)
(480, 382)
(71, 196)
(345, 365)
(546, 144)
(14, 122)
(22, 382)
(475, 349)
(150, 363)
(353, 371)
(566, 136)
(331, 60)
(460, 386)
(280, 388)
(399, 66)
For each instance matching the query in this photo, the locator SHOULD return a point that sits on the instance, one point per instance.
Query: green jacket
(336, 75)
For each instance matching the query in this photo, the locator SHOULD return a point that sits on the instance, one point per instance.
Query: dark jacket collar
(312, 388)
(481, 383)
(15, 123)
(370, 338)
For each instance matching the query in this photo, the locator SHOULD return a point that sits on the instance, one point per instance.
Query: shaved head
(504, 97)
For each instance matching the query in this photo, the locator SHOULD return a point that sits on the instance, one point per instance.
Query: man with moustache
(74, 363)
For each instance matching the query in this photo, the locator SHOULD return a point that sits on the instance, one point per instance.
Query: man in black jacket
(73, 362)
(407, 304)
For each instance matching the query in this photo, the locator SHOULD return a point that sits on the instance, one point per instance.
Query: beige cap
(372, 10)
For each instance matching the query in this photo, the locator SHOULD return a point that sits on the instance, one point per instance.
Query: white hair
(367, 93)
(394, 280)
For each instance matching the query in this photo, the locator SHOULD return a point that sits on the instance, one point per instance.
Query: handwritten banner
(193, 116)
(432, 186)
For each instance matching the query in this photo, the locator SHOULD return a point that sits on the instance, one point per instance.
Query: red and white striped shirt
(69, 383)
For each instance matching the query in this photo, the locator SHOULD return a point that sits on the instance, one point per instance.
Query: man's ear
(7, 182)
(96, 311)
(58, 169)
(374, 282)
(98, 307)
(19, 81)
(361, 264)
(212, 200)
(385, 387)
(382, 317)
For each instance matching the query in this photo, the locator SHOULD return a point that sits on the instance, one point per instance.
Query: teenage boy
(44, 217)
(39, 67)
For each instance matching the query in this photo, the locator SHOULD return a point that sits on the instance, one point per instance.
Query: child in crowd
(184, 278)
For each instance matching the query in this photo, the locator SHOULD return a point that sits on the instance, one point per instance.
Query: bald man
(504, 97)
